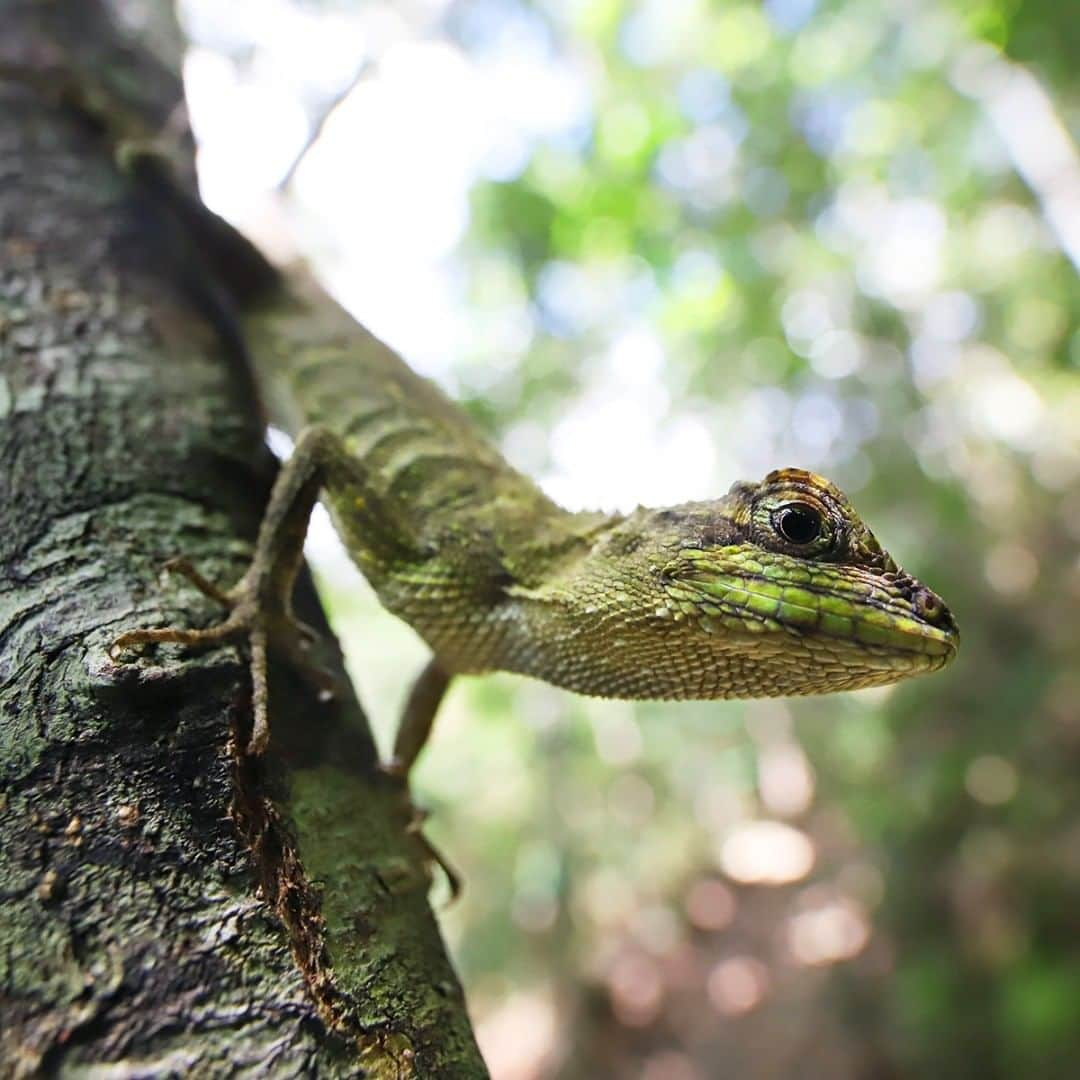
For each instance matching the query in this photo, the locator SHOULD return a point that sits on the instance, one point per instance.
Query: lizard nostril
(928, 606)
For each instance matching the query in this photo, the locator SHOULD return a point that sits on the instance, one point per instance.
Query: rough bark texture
(169, 905)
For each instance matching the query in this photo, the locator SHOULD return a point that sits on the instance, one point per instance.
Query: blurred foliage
(790, 232)
(818, 207)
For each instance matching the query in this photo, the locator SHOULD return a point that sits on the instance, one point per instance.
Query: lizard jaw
(861, 626)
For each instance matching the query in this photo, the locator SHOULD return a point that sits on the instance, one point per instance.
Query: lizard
(776, 588)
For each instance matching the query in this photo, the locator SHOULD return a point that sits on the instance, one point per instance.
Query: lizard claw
(211, 635)
(248, 617)
(185, 569)
(415, 828)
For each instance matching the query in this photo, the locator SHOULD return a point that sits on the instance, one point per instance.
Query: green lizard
(776, 588)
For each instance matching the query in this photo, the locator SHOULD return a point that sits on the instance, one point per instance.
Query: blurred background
(655, 247)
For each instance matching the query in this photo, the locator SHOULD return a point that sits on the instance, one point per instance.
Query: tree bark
(170, 905)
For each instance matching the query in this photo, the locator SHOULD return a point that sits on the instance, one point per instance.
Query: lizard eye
(798, 523)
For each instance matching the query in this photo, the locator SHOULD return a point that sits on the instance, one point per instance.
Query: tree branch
(169, 903)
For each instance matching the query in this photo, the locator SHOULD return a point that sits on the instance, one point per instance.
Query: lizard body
(776, 588)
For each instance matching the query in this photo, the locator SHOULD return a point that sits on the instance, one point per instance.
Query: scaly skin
(703, 600)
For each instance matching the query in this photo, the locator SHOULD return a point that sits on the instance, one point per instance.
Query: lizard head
(793, 592)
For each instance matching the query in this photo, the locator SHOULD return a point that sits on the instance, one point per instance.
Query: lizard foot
(268, 626)
(415, 828)
(399, 770)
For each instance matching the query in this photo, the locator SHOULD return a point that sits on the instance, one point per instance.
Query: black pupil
(799, 524)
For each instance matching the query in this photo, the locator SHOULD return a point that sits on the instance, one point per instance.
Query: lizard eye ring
(799, 523)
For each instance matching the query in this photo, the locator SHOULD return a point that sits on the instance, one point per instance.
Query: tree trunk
(170, 905)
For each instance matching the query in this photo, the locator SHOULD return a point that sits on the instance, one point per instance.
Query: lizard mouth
(897, 615)
(887, 621)
(894, 636)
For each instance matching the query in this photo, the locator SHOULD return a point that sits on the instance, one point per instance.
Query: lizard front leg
(260, 602)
